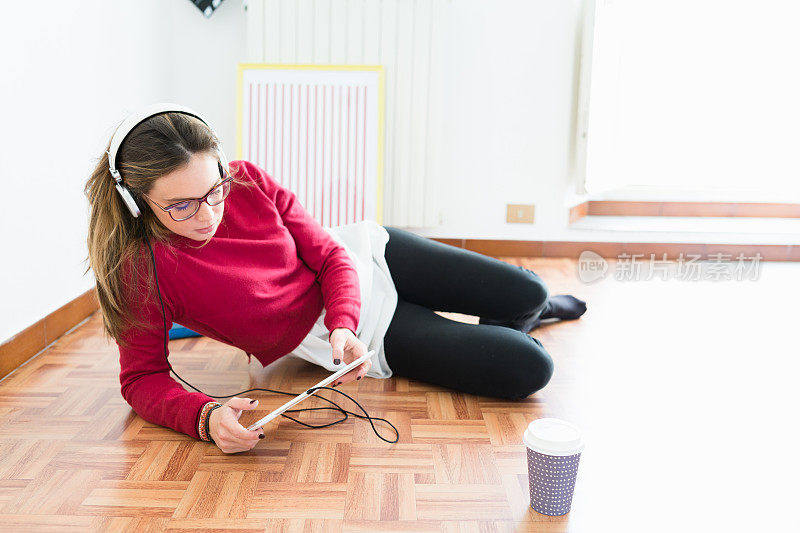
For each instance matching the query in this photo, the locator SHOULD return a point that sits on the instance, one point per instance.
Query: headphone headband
(125, 128)
(141, 115)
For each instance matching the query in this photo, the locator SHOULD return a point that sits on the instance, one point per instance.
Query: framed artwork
(318, 131)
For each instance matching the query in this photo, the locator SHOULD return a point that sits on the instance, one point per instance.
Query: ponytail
(112, 241)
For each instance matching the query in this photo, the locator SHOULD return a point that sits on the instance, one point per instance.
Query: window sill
(744, 230)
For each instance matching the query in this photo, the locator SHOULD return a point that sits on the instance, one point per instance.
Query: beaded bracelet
(208, 421)
(203, 425)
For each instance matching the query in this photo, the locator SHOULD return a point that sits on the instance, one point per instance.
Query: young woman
(238, 259)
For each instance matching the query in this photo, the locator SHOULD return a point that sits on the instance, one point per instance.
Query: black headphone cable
(337, 407)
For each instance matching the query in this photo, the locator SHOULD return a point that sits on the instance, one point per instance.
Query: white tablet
(300, 397)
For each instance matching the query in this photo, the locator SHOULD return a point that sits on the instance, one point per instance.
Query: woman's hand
(228, 434)
(346, 346)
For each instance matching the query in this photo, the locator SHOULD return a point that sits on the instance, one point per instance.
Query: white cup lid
(553, 436)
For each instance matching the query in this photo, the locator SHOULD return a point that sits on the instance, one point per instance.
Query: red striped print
(316, 106)
(296, 150)
(339, 155)
(347, 166)
(342, 137)
(306, 167)
(283, 121)
(364, 156)
(324, 166)
(258, 131)
(330, 181)
(250, 125)
(291, 139)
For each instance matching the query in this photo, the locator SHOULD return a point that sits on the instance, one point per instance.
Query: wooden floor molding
(683, 209)
(612, 250)
(74, 456)
(33, 339)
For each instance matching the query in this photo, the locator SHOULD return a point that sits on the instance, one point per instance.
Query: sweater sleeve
(334, 269)
(144, 374)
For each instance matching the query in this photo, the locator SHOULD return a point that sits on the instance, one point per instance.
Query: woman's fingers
(233, 437)
(240, 433)
(355, 374)
(236, 437)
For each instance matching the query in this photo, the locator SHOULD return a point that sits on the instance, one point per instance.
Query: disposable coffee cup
(554, 451)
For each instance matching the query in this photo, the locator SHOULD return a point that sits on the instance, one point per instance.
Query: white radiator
(402, 35)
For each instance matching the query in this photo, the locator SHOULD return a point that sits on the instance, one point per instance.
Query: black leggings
(479, 359)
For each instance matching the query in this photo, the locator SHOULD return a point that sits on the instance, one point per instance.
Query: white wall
(70, 73)
(69, 77)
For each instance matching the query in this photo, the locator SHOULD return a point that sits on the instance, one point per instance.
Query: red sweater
(260, 284)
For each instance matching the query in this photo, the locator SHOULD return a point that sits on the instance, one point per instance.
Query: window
(699, 96)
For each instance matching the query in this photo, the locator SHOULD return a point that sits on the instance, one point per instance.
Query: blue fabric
(179, 332)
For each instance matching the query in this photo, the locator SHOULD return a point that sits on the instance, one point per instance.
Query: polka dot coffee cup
(554, 450)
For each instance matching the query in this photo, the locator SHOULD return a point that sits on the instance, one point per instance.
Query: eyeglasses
(186, 209)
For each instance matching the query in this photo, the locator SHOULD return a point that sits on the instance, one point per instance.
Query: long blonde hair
(156, 147)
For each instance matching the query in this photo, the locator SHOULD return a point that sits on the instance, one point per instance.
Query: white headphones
(124, 129)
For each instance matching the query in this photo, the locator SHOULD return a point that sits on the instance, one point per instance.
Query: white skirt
(365, 243)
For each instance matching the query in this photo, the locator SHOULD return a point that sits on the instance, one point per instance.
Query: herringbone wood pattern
(74, 456)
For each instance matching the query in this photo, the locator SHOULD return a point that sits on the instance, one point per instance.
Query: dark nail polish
(337, 361)
(261, 436)
(252, 401)
(359, 377)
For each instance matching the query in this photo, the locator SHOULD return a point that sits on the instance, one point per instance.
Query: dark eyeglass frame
(199, 201)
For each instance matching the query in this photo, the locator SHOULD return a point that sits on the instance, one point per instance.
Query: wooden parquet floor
(75, 457)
